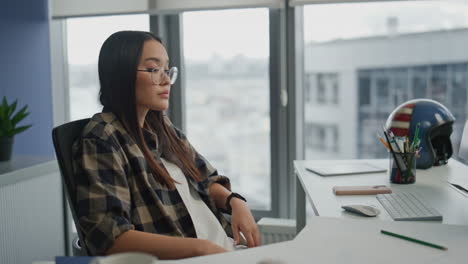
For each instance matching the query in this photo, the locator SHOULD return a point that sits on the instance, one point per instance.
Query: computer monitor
(463, 151)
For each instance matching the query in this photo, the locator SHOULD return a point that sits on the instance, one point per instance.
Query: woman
(141, 186)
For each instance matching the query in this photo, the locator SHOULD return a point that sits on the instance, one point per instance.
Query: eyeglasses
(157, 75)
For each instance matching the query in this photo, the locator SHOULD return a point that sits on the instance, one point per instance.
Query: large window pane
(381, 54)
(84, 40)
(227, 96)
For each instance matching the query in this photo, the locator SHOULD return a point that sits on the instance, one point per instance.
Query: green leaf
(3, 109)
(9, 120)
(12, 108)
(20, 115)
(20, 129)
(4, 103)
(2, 115)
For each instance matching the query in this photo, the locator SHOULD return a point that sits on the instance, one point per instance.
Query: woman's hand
(243, 221)
(206, 247)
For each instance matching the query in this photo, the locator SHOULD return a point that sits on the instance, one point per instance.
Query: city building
(351, 86)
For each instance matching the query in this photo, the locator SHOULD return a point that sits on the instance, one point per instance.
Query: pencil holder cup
(402, 167)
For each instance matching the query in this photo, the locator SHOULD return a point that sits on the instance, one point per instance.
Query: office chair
(63, 137)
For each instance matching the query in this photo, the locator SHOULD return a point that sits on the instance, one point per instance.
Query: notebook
(345, 169)
(361, 190)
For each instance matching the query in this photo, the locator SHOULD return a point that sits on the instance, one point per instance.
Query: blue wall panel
(25, 70)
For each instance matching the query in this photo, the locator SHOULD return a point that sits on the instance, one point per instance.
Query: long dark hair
(118, 61)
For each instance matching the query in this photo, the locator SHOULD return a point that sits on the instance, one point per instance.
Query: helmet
(434, 132)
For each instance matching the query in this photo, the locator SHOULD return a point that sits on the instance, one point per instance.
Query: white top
(205, 222)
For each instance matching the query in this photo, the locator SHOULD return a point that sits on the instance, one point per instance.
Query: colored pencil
(413, 240)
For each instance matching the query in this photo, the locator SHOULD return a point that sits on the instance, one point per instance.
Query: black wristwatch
(228, 200)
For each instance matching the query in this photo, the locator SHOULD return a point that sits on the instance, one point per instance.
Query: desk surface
(430, 184)
(333, 240)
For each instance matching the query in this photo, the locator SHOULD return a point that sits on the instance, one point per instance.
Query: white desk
(334, 240)
(430, 184)
(339, 238)
(351, 241)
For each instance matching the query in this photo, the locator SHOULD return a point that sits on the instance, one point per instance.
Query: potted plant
(8, 129)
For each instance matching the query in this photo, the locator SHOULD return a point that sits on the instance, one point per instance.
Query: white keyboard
(408, 207)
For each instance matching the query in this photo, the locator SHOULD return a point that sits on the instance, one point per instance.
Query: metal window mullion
(61, 105)
(295, 56)
(60, 75)
(169, 28)
(277, 113)
(287, 117)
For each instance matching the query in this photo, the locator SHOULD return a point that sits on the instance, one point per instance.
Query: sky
(228, 33)
(333, 21)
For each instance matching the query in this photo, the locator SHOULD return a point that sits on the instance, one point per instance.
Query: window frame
(169, 27)
(286, 76)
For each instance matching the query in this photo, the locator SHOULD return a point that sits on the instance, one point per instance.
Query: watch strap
(228, 202)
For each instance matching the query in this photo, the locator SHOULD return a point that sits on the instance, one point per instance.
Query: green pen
(416, 137)
(413, 240)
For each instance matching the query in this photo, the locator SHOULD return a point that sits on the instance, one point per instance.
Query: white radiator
(31, 215)
(274, 230)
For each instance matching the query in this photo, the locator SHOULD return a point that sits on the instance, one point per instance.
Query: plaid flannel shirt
(116, 190)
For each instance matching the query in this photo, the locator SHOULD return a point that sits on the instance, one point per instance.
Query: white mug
(126, 258)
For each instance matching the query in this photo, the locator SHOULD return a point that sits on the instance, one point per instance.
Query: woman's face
(151, 95)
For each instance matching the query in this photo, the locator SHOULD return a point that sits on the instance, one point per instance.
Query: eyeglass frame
(165, 72)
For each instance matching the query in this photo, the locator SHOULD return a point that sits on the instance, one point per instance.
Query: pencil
(384, 143)
(413, 240)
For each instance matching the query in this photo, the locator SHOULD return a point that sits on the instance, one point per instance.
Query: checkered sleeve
(103, 196)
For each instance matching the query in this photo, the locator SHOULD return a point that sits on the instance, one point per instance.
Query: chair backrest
(63, 137)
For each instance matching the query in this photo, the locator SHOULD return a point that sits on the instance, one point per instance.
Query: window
(308, 88)
(457, 81)
(399, 80)
(438, 83)
(323, 139)
(445, 82)
(227, 96)
(321, 88)
(382, 87)
(364, 88)
(85, 37)
(384, 57)
(361, 60)
(419, 81)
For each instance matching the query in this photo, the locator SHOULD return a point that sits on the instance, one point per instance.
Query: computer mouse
(364, 210)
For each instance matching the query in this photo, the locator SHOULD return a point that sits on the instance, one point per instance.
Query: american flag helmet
(435, 127)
